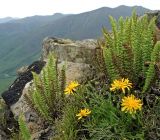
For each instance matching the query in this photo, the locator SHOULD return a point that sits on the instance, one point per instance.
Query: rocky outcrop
(78, 56)
(14, 92)
(70, 51)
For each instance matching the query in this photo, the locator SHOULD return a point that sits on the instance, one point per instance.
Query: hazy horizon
(70, 13)
(23, 8)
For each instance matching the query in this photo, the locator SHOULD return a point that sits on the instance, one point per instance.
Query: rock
(7, 122)
(21, 106)
(78, 56)
(22, 70)
(14, 92)
(80, 72)
(71, 51)
(36, 125)
(155, 14)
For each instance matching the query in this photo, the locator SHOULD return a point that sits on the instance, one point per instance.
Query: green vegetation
(129, 47)
(47, 95)
(119, 107)
(24, 132)
(23, 129)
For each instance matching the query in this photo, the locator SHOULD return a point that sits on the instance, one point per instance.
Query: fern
(112, 73)
(23, 128)
(147, 43)
(53, 72)
(107, 36)
(41, 105)
(128, 47)
(63, 80)
(114, 29)
(47, 97)
(151, 71)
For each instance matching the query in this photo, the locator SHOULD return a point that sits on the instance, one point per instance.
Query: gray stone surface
(71, 51)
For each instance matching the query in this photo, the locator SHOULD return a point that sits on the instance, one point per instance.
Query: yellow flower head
(71, 87)
(131, 104)
(121, 84)
(83, 113)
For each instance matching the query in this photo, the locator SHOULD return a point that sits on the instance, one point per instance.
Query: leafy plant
(151, 71)
(129, 47)
(24, 131)
(47, 95)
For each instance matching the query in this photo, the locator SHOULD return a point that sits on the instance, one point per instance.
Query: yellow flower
(121, 84)
(71, 87)
(83, 113)
(131, 104)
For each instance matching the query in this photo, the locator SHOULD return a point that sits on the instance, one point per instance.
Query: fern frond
(112, 72)
(108, 37)
(151, 71)
(41, 105)
(53, 71)
(63, 79)
(114, 29)
(23, 128)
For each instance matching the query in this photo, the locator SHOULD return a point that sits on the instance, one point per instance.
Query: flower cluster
(129, 103)
(121, 85)
(71, 88)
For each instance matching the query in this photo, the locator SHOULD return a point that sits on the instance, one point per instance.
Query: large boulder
(78, 56)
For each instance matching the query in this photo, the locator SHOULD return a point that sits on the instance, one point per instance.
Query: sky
(24, 8)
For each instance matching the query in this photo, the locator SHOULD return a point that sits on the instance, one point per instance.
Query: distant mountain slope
(89, 24)
(20, 40)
